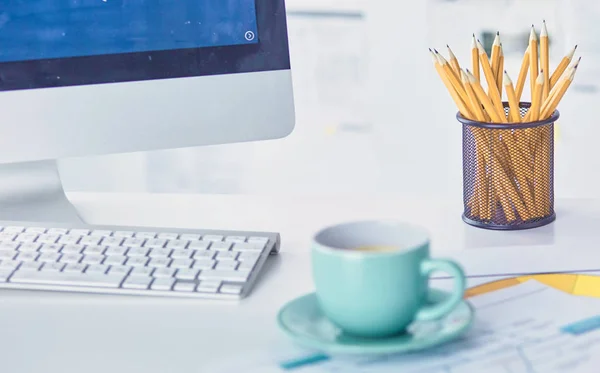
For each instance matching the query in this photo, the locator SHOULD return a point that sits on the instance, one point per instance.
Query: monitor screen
(51, 43)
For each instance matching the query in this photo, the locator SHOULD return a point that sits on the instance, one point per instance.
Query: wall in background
(373, 125)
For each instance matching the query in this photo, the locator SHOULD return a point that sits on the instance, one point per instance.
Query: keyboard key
(125, 234)
(69, 239)
(248, 256)
(27, 256)
(177, 244)
(162, 284)
(112, 241)
(227, 265)
(156, 243)
(97, 268)
(115, 250)
(184, 286)
(208, 286)
(190, 237)
(9, 245)
(138, 251)
(30, 246)
(208, 254)
(79, 232)
(258, 240)
(212, 237)
(57, 231)
(48, 238)
(248, 265)
(204, 264)
(37, 230)
(30, 266)
(74, 267)
(159, 262)
(5, 274)
(26, 237)
(7, 254)
(49, 257)
(159, 253)
(71, 258)
(50, 248)
(146, 235)
(139, 261)
(187, 274)
(115, 259)
(224, 255)
(134, 242)
(199, 245)
(119, 270)
(231, 289)
(141, 271)
(92, 259)
(220, 246)
(7, 236)
(93, 250)
(163, 272)
(90, 240)
(137, 282)
(235, 239)
(13, 229)
(181, 254)
(181, 263)
(168, 236)
(67, 279)
(72, 249)
(56, 267)
(213, 274)
(9, 264)
(101, 233)
(246, 246)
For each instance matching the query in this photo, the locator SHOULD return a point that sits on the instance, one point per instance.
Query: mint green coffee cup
(371, 277)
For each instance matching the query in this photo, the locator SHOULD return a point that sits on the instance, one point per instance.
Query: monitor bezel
(269, 54)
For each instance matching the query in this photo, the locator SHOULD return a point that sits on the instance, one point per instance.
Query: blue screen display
(46, 29)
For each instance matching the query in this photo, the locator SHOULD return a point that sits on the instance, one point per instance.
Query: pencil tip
(498, 33)
(430, 50)
(575, 46)
(435, 50)
(447, 46)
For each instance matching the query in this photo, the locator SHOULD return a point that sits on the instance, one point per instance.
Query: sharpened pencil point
(498, 33)
(435, 50)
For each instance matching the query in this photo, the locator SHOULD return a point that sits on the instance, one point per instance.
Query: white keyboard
(133, 261)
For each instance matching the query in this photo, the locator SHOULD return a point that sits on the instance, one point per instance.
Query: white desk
(43, 332)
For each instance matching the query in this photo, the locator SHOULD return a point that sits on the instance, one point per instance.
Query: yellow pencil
(562, 66)
(514, 112)
(475, 58)
(545, 60)
(533, 58)
(491, 81)
(462, 106)
(500, 72)
(548, 109)
(495, 59)
(536, 101)
(452, 76)
(453, 61)
(557, 86)
(522, 75)
(487, 103)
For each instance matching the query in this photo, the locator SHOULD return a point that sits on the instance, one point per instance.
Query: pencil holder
(508, 172)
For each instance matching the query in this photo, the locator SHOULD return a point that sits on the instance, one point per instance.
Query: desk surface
(74, 333)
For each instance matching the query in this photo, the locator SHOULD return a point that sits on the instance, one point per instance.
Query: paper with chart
(529, 327)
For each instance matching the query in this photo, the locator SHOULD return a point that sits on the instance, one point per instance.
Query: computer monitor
(89, 77)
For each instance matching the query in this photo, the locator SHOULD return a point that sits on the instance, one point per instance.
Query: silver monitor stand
(33, 191)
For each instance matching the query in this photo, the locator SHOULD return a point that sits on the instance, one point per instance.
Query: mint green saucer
(303, 321)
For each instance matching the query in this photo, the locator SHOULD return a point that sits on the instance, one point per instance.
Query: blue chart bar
(583, 326)
(303, 361)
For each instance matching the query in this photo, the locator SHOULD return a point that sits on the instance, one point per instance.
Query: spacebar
(67, 279)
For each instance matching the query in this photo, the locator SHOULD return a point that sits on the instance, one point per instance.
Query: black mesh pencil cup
(508, 173)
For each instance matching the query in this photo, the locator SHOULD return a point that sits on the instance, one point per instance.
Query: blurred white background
(372, 115)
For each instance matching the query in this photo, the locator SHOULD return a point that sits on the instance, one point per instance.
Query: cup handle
(441, 309)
